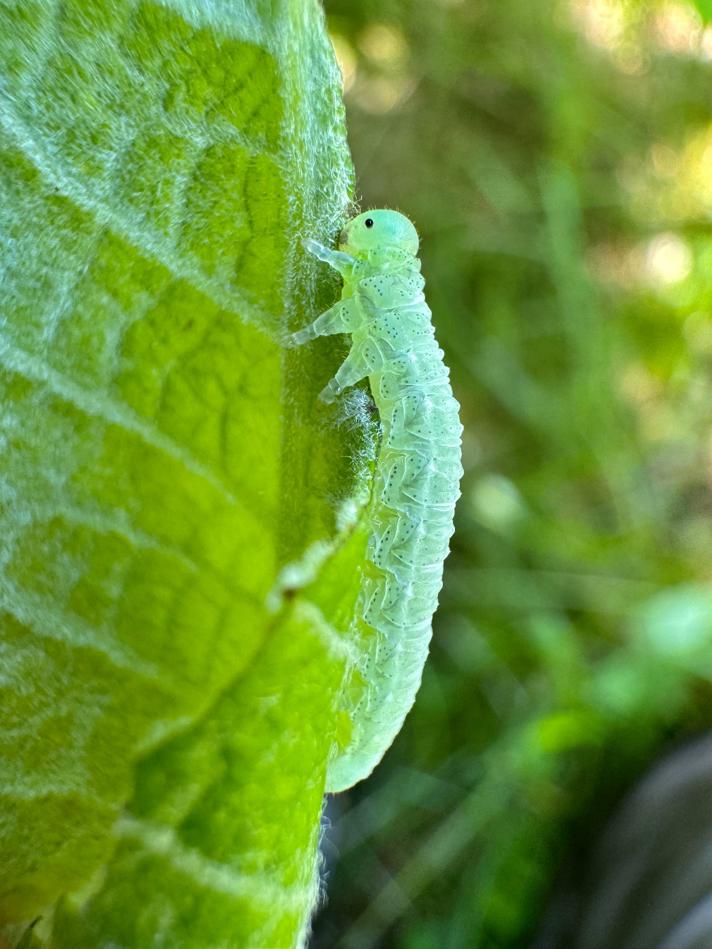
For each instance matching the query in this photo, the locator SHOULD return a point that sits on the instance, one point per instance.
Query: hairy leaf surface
(169, 705)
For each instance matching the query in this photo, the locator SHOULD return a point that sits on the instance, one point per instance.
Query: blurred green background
(556, 156)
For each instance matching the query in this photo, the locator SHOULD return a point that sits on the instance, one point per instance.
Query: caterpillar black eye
(368, 222)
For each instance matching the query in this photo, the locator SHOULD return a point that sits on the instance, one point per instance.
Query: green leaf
(704, 8)
(170, 694)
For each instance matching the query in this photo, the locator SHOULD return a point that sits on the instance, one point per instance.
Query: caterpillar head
(376, 230)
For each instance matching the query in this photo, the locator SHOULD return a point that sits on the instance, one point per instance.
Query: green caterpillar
(418, 469)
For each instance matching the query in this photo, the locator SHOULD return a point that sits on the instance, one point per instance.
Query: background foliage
(557, 159)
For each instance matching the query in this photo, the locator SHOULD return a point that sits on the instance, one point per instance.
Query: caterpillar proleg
(418, 468)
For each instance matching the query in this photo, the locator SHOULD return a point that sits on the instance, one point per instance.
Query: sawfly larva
(418, 469)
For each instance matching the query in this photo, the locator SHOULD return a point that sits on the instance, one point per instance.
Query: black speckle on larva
(416, 481)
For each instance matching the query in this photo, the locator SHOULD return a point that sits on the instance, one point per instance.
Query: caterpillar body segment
(418, 469)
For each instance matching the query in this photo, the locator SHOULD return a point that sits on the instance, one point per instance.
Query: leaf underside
(166, 724)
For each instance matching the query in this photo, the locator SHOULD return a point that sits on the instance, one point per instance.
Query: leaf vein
(150, 246)
(162, 840)
(48, 621)
(108, 410)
